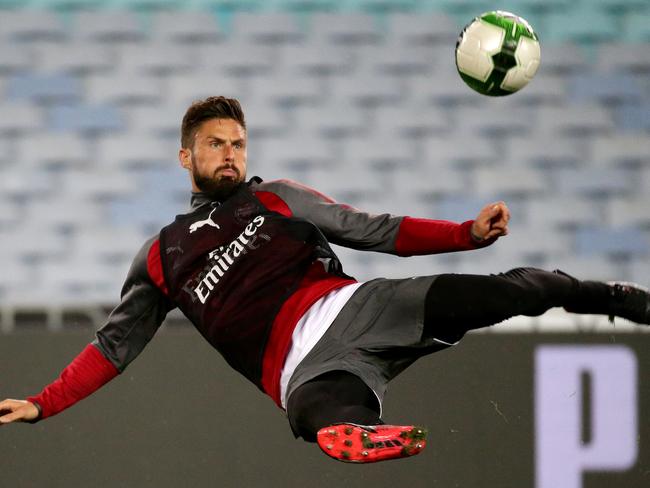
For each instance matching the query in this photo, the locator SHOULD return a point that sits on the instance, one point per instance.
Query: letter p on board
(561, 454)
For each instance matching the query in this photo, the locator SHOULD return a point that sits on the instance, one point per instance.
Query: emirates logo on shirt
(224, 257)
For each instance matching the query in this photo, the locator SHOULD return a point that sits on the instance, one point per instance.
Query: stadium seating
(359, 98)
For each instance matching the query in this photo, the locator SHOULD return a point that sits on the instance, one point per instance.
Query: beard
(215, 186)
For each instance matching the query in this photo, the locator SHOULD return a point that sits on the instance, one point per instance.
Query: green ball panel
(514, 25)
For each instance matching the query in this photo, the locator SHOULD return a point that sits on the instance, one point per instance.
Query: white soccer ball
(498, 53)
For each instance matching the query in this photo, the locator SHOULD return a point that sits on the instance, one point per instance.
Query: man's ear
(185, 158)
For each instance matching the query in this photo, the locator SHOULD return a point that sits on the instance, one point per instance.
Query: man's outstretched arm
(400, 235)
(129, 328)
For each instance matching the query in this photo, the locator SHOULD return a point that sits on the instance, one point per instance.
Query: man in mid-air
(251, 267)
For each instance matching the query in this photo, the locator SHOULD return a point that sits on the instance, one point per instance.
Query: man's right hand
(17, 411)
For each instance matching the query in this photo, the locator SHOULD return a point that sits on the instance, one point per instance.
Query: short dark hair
(210, 108)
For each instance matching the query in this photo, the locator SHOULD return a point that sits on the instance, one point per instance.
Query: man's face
(217, 158)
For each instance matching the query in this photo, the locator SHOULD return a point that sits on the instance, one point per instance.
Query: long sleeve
(129, 328)
(349, 227)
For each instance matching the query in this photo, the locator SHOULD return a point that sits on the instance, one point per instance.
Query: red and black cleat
(354, 443)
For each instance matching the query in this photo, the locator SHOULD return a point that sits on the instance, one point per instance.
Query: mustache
(227, 166)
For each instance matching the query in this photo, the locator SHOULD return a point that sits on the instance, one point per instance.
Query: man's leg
(340, 412)
(337, 396)
(456, 303)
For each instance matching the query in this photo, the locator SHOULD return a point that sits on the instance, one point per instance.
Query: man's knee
(539, 289)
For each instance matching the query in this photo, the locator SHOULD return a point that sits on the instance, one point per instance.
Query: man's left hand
(492, 221)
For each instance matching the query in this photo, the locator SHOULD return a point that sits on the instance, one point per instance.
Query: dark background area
(178, 416)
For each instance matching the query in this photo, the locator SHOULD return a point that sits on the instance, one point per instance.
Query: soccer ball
(497, 53)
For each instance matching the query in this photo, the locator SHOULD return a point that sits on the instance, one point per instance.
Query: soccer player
(251, 267)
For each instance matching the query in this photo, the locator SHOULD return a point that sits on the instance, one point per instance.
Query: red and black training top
(261, 257)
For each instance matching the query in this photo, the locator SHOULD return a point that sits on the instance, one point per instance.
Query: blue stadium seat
(634, 117)
(349, 185)
(67, 6)
(366, 90)
(170, 180)
(184, 88)
(582, 24)
(155, 58)
(265, 121)
(26, 183)
(545, 151)
(130, 150)
(186, 27)
(124, 88)
(303, 6)
(618, 7)
(19, 117)
(562, 57)
(53, 149)
(341, 29)
(236, 58)
(623, 57)
(538, 6)
(421, 29)
(495, 120)
(454, 150)
(532, 245)
(86, 118)
(630, 212)
(297, 152)
(396, 60)
(308, 59)
(611, 88)
(424, 184)
(284, 90)
(146, 5)
(463, 10)
(379, 154)
(267, 28)
(576, 119)
(148, 214)
(43, 88)
(15, 58)
(98, 184)
(161, 120)
(118, 26)
(75, 58)
(630, 150)
(381, 6)
(561, 213)
(508, 182)
(327, 121)
(64, 213)
(31, 25)
(593, 182)
(411, 122)
(542, 90)
(619, 242)
(636, 27)
(444, 89)
(222, 6)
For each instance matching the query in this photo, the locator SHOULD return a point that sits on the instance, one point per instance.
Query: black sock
(333, 397)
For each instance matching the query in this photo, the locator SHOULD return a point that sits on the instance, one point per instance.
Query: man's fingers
(16, 410)
(497, 232)
(11, 417)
